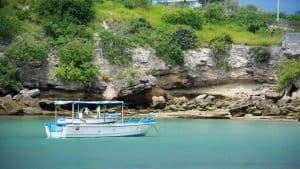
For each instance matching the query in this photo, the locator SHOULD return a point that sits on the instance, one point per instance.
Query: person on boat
(86, 111)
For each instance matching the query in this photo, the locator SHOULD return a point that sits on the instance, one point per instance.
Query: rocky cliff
(151, 72)
(149, 76)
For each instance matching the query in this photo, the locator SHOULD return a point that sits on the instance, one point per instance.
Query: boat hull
(97, 130)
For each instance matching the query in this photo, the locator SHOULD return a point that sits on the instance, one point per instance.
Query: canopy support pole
(99, 113)
(73, 109)
(122, 114)
(55, 115)
(105, 109)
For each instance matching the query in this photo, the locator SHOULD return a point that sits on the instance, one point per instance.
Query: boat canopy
(104, 103)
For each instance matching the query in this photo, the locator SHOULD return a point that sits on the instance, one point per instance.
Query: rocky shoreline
(261, 104)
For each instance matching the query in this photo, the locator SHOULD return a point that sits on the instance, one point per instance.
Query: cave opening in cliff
(293, 88)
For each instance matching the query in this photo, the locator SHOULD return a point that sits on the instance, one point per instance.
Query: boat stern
(54, 130)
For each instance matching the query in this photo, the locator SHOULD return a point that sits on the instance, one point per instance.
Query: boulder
(158, 102)
(257, 112)
(29, 101)
(31, 93)
(8, 96)
(10, 107)
(17, 97)
(271, 110)
(275, 96)
(202, 96)
(293, 108)
(172, 107)
(211, 98)
(238, 109)
(32, 111)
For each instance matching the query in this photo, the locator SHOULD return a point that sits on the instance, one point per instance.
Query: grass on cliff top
(112, 12)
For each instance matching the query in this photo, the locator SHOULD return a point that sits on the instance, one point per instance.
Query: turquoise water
(180, 144)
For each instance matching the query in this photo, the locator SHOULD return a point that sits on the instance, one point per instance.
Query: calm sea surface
(180, 144)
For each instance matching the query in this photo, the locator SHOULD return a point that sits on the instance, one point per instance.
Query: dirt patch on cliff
(231, 89)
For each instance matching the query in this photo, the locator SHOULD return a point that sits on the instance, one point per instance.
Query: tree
(215, 12)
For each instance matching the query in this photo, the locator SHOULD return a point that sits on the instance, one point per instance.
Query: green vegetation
(65, 20)
(289, 71)
(260, 54)
(138, 25)
(61, 29)
(169, 53)
(115, 48)
(79, 12)
(134, 3)
(27, 47)
(76, 59)
(215, 13)
(235, 23)
(9, 26)
(185, 38)
(8, 75)
(190, 17)
(68, 26)
(141, 32)
(220, 49)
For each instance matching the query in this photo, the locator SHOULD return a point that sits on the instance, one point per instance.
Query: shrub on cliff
(27, 47)
(58, 28)
(220, 48)
(9, 26)
(134, 3)
(248, 16)
(185, 38)
(215, 12)
(190, 17)
(170, 53)
(115, 48)
(79, 11)
(260, 54)
(65, 20)
(140, 32)
(138, 24)
(76, 62)
(8, 77)
(288, 72)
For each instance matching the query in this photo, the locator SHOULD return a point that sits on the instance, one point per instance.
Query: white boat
(106, 118)
(126, 127)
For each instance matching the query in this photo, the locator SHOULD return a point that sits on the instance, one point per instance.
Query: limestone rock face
(239, 109)
(30, 93)
(145, 60)
(271, 110)
(239, 56)
(10, 107)
(32, 111)
(138, 86)
(110, 93)
(291, 45)
(200, 57)
(158, 102)
(275, 96)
